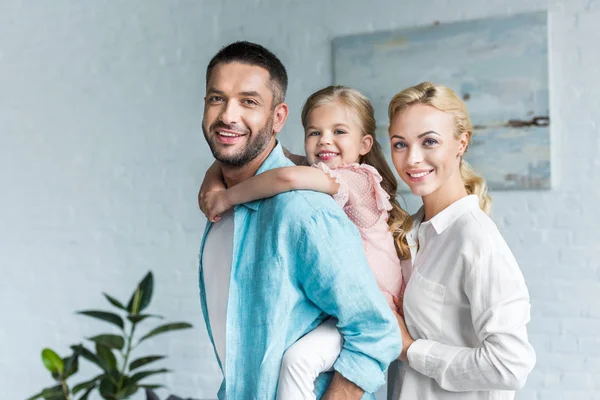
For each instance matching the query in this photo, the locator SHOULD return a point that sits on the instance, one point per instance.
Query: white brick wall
(101, 154)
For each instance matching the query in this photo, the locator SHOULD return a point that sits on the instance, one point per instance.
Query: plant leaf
(140, 317)
(88, 355)
(166, 328)
(87, 393)
(140, 299)
(143, 374)
(71, 365)
(143, 361)
(114, 302)
(128, 389)
(106, 355)
(107, 388)
(52, 361)
(110, 341)
(87, 384)
(53, 391)
(104, 316)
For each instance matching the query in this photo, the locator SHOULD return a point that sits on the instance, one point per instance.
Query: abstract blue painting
(499, 67)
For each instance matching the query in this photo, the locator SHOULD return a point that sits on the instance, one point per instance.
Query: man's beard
(255, 145)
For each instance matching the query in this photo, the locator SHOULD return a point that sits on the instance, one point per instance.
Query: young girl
(466, 305)
(348, 164)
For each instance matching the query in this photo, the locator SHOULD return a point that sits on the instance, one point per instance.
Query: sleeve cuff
(360, 369)
(418, 355)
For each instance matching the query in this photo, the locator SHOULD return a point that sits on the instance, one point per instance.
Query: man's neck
(236, 174)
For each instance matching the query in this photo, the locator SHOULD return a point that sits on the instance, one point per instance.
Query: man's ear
(280, 115)
(366, 144)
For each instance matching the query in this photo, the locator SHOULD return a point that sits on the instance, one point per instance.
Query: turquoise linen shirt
(298, 259)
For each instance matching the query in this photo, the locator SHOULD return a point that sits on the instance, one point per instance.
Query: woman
(466, 304)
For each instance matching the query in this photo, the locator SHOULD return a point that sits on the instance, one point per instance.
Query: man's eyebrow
(251, 93)
(214, 90)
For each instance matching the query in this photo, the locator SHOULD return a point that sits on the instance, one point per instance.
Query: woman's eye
(429, 142)
(399, 145)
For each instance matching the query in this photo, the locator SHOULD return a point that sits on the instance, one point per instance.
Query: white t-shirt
(467, 306)
(216, 267)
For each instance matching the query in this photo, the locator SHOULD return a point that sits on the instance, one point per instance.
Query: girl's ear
(464, 143)
(366, 144)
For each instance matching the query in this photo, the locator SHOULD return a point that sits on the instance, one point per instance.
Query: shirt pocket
(261, 292)
(424, 307)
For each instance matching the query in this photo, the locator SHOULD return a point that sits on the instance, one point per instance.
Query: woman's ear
(366, 144)
(464, 143)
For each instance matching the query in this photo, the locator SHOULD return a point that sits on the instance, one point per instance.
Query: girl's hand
(214, 203)
(213, 180)
(407, 340)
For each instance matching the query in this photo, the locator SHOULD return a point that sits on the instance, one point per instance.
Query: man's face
(238, 112)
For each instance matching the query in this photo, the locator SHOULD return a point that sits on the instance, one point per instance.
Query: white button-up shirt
(467, 306)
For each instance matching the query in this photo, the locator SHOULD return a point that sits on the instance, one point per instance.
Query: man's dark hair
(254, 54)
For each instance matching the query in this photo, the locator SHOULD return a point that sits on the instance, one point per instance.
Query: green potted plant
(120, 376)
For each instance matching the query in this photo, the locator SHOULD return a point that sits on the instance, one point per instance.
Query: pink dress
(367, 205)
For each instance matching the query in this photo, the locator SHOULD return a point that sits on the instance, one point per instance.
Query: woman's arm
(500, 311)
(268, 184)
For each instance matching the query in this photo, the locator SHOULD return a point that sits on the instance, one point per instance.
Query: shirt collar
(275, 160)
(447, 216)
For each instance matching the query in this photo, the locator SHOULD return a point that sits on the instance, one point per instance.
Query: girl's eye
(429, 142)
(339, 132)
(313, 133)
(399, 145)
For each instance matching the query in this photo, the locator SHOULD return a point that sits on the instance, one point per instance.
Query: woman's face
(425, 152)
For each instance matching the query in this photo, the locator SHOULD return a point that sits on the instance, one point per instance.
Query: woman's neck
(452, 191)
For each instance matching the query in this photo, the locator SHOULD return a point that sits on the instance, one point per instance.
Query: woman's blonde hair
(399, 220)
(444, 99)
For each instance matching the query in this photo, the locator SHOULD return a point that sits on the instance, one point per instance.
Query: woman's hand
(214, 203)
(407, 340)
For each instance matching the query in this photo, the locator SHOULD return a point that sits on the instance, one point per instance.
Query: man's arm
(335, 276)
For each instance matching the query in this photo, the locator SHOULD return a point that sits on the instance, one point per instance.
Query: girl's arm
(213, 181)
(268, 184)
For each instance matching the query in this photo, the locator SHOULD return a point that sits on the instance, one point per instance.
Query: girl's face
(425, 152)
(333, 136)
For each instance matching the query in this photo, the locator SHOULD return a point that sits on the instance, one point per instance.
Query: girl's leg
(314, 353)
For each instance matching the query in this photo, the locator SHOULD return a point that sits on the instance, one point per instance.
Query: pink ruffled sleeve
(360, 192)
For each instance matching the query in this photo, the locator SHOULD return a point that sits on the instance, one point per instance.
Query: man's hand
(342, 389)
(213, 204)
(407, 340)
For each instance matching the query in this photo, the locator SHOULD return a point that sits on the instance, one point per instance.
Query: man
(278, 267)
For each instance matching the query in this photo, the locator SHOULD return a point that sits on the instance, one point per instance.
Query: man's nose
(230, 114)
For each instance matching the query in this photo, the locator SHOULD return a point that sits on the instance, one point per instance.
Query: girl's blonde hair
(399, 220)
(444, 99)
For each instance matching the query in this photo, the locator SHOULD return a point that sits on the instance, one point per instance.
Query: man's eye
(214, 99)
(249, 102)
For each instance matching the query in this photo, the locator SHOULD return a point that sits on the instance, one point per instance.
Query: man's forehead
(237, 78)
